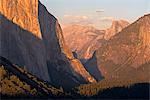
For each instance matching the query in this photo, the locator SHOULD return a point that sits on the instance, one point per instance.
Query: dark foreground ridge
(45, 90)
(136, 91)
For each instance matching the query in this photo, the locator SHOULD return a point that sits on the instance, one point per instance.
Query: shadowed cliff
(19, 47)
(92, 67)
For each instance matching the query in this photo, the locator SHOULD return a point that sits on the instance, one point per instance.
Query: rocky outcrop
(115, 28)
(32, 37)
(126, 52)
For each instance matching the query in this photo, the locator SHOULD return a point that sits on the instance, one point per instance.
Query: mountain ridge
(126, 50)
(93, 37)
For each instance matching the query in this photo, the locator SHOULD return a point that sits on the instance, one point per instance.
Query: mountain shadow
(75, 54)
(92, 67)
(66, 78)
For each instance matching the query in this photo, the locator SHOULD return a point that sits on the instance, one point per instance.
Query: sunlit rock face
(127, 52)
(23, 13)
(32, 37)
(21, 40)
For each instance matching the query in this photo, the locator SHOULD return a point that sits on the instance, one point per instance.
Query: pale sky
(97, 13)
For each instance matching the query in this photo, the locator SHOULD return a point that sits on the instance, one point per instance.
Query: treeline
(136, 91)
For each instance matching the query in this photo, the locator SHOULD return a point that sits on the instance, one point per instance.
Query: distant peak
(117, 26)
(119, 22)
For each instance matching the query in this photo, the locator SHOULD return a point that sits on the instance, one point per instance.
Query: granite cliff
(32, 37)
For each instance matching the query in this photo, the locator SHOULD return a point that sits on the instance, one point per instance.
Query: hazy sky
(98, 13)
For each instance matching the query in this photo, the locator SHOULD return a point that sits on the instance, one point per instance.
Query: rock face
(84, 40)
(127, 52)
(32, 37)
(116, 27)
